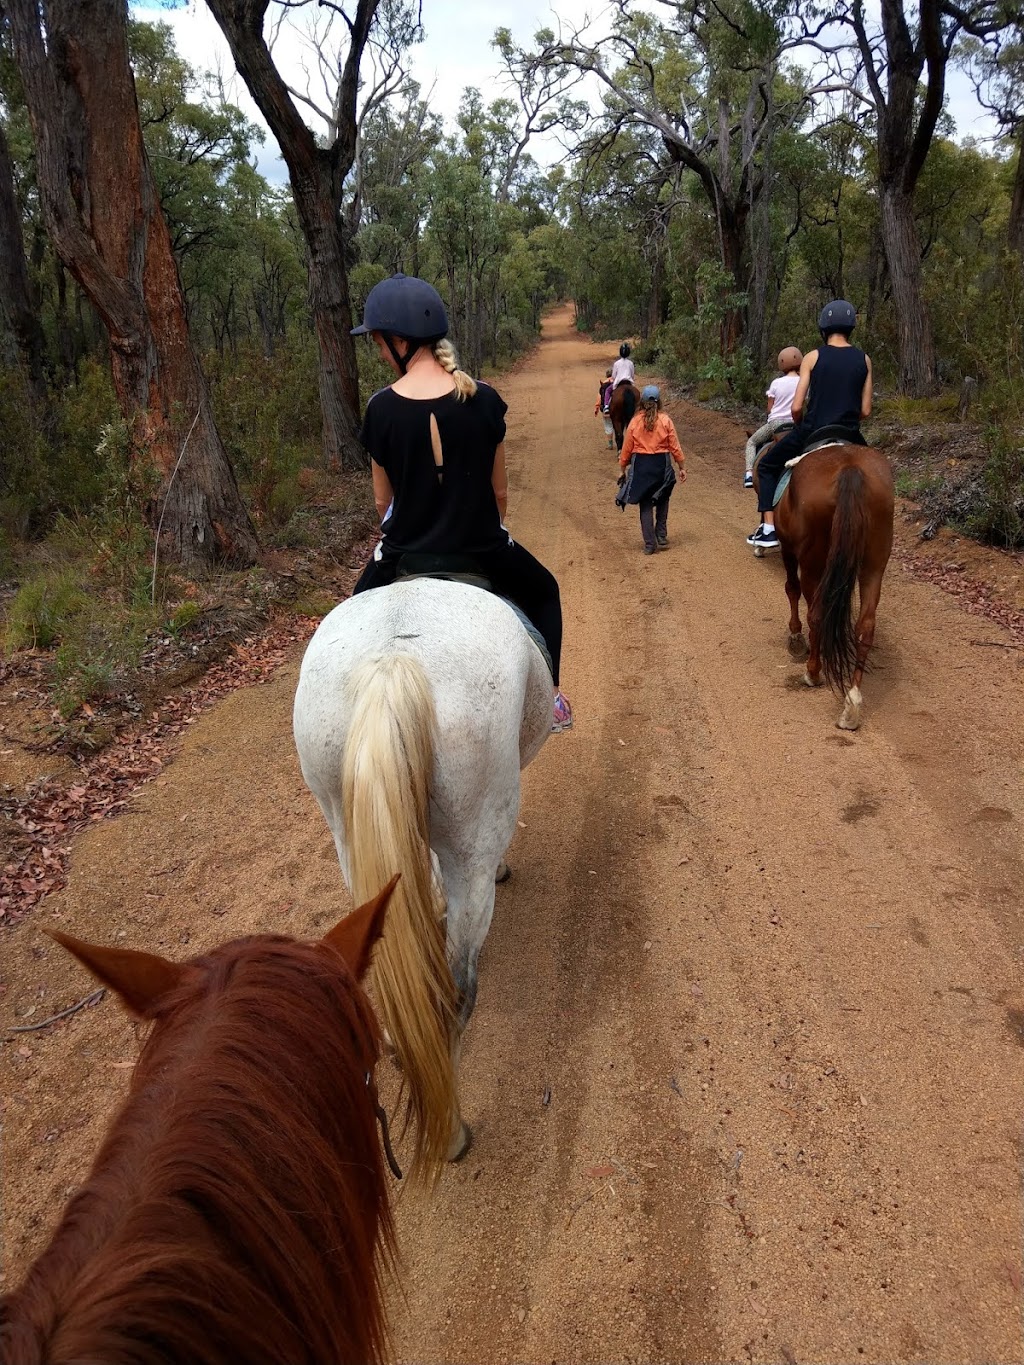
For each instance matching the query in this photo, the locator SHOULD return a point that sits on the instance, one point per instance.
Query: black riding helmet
(407, 307)
(837, 316)
(624, 350)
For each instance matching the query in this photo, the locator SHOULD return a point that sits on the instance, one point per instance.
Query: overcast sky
(455, 53)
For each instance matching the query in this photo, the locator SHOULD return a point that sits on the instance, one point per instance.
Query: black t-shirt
(837, 383)
(456, 513)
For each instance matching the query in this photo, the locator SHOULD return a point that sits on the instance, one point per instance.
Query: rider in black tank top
(837, 383)
(834, 391)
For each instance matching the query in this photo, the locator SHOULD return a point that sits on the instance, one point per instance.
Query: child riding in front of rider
(649, 450)
(780, 395)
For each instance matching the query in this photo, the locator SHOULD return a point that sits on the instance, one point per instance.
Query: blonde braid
(444, 354)
(651, 407)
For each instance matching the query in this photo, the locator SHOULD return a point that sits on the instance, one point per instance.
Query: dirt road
(746, 1069)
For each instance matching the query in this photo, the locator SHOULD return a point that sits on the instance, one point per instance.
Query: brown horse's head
(238, 1209)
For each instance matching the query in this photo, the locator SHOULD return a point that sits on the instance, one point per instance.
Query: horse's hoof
(798, 645)
(503, 873)
(809, 681)
(460, 1143)
(850, 719)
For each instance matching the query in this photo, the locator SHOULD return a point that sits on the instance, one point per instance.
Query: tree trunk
(732, 238)
(1015, 227)
(331, 306)
(101, 209)
(913, 325)
(16, 297)
(317, 175)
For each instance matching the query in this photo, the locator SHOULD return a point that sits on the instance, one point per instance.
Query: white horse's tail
(385, 783)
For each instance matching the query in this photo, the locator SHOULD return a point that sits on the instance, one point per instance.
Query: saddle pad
(783, 483)
(533, 633)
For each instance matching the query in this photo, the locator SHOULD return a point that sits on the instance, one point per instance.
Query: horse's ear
(140, 979)
(354, 936)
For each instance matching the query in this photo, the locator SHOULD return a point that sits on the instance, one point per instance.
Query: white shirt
(782, 390)
(623, 369)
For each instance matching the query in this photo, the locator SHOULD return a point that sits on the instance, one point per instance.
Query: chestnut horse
(834, 522)
(621, 409)
(238, 1209)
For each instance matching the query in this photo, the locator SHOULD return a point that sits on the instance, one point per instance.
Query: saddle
(822, 439)
(454, 568)
(465, 569)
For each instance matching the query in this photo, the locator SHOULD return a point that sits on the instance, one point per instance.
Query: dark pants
(773, 462)
(654, 518)
(515, 574)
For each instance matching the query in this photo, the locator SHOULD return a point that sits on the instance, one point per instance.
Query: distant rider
(623, 371)
(834, 390)
(780, 407)
(436, 439)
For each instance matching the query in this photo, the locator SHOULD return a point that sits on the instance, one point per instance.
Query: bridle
(385, 1131)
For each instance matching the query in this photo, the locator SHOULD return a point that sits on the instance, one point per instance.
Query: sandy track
(746, 1070)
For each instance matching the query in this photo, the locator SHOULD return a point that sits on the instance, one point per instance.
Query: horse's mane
(232, 1215)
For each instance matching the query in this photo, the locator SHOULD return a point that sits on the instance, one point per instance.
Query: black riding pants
(515, 574)
(773, 462)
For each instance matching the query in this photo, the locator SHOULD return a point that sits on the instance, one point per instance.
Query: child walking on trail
(780, 407)
(604, 397)
(652, 461)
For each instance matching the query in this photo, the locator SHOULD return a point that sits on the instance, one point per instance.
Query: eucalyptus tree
(341, 37)
(103, 216)
(902, 62)
(996, 64)
(710, 83)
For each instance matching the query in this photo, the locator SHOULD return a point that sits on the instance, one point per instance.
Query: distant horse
(417, 705)
(238, 1208)
(835, 527)
(621, 409)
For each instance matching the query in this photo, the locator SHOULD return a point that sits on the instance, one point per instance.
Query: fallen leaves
(976, 597)
(42, 821)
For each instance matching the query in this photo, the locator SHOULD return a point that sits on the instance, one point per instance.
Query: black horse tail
(628, 406)
(837, 641)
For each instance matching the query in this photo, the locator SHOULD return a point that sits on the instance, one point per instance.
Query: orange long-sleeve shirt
(661, 438)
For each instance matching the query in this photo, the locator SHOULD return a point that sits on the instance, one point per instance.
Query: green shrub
(43, 609)
(184, 616)
(997, 514)
(101, 647)
(79, 477)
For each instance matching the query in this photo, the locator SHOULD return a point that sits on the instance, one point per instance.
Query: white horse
(417, 706)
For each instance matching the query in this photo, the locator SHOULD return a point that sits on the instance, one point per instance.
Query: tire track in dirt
(768, 973)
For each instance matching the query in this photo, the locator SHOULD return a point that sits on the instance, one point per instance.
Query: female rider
(436, 439)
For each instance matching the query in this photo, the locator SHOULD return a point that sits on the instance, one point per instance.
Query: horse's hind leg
(797, 643)
(469, 895)
(870, 591)
(812, 671)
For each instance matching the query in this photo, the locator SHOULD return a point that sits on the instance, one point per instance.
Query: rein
(385, 1131)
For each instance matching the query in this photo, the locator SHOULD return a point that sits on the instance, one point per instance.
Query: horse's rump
(386, 670)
